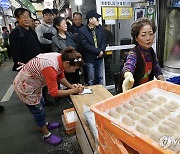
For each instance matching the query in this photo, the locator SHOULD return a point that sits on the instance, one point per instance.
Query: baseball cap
(47, 11)
(91, 14)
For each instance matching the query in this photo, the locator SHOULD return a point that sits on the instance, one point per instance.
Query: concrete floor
(18, 132)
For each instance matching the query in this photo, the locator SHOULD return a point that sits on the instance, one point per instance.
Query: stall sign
(123, 3)
(125, 13)
(108, 2)
(109, 13)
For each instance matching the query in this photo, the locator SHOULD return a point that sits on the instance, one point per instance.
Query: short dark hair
(74, 57)
(47, 11)
(20, 11)
(77, 13)
(55, 11)
(57, 21)
(4, 28)
(138, 24)
(36, 20)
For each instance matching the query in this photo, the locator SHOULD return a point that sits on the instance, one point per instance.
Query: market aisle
(18, 133)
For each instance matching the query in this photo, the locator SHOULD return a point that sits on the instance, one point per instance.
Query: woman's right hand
(78, 89)
(128, 81)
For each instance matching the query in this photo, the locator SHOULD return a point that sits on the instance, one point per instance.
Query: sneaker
(53, 125)
(52, 139)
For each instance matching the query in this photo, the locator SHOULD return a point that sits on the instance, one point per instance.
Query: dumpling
(145, 107)
(147, 122)
(170, 107)
(157, 101)
(174, 103)
(165, 111)
(153, 117)
(149, 95)
(178, 116)
(151, 105)
(128, 106)
(133, 115)
(114, 114)
(145, 98)
(121, 110)
(175, 120)
(139, 100)
(159, 114)
(171, 124)
(133, 103)
(166, 129)
(161, 98)
(142, 129)
(155, 135)
(127, 120)
(140, 111)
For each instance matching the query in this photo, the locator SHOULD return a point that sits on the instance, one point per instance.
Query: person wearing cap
(45, 31)
(94, 44)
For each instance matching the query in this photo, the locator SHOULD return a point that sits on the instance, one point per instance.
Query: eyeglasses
(48, 14)
(25, 17)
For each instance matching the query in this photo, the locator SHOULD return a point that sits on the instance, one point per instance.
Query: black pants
(73, 77)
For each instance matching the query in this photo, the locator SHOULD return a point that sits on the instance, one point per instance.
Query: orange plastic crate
(69, 124)
(140, 142)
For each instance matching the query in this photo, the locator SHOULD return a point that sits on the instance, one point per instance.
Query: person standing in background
(94, 44)
(74, 29)
(61, 41)
(5, 36)
(45, 31)
(37, 22)
(56, 13)
(24, 44)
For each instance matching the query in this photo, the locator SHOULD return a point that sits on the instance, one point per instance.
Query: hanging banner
(109, 13)
(151, 12)
(125, 13)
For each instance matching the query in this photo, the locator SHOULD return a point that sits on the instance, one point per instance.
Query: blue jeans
(38, 113)
(94, 72)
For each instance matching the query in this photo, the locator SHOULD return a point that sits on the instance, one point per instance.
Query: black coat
(90, 52)
(24, 45)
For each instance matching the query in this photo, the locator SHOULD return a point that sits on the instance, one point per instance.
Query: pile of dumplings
(151, 115)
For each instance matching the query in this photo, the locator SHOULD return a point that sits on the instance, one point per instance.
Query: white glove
(128, 81)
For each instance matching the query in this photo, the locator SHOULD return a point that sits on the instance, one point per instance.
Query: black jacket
(24, 45)
(90, 52)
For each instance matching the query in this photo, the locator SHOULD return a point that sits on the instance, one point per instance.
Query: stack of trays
(68, 120)
(147, 118)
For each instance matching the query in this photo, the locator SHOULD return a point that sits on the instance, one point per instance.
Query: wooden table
(99, 93)
(83, 132)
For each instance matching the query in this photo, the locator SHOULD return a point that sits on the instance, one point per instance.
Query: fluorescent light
(78, 2)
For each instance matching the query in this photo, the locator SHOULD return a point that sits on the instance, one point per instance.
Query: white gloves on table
(128, 81)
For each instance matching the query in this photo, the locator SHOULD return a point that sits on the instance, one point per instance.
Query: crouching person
(47, 69)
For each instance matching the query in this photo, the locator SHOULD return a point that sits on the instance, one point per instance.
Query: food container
(136, 140)
(69, 116)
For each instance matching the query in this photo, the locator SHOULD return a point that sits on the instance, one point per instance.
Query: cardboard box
(69, 116)
(68, 130)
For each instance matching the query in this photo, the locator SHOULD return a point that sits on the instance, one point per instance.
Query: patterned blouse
(130, 64)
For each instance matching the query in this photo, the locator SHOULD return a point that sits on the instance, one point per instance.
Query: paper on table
(86, 91)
